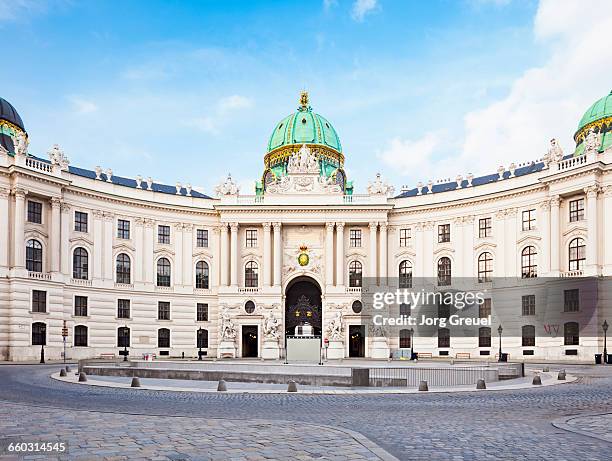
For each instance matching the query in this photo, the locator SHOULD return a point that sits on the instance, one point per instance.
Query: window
(201, 238)
(405, 274)
(202, 338)
(529, 267)
(34, 256)
(202, 312)
(123, 308)
(163, 272)
(404, 310)
(485, 267)
(80, 221)
(529, 220)
(123, 229)
(80, 306)
(39, 334)
(484, 227)
(123, 268)
(39, 301)
(357, 306)
(163, 337)
(571, 334)
(355, 238)
(251, 278)
(528, 334)
(443, 233)
(576, 210)
(444, 271)
(34, 212)
(163, 310)
(80, 264)
(251, 238)
(80, 336)
(202, 275)
(123, 337)
(443, 337)
(484, 337)
(528, 304)
(443, 310)
(484, 309)
(571, 301)
(355, 274)
(163, 234)
(249, 307)
(577, 254)
(404, 237)
(404, 338)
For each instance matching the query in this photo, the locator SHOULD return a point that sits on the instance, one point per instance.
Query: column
(431, 270)
(499, 236)
(592, 244)
(373, 259)
(149, 247)
(555, 230)
(224, 261)
(340, 254)
(109, 264)
(177, 270)
(234, 254)
(419, 263)
(19, 228)
(544, 226)
(278, 254)
(467, 243)
(329, 253)
(267, 254)
(457, 239)
(140, 249)
(607, 224)
(55, 234)
(97, 244)
(65, 239)
(383, 253)
(188, 266)
(4, 217)
(510, 234)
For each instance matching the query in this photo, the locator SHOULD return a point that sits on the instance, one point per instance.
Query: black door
(356, 340)
(249, 341)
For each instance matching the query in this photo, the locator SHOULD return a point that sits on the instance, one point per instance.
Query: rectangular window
(405, 235)
(443, 337)
(80, 306)
(443, 233)
(571, 301)
(39, 301)
(163, 310)
(355, 238)
(484, 309)
(576, 210)
(80, 336)
(484, 337)
(443, 310)
(123, 229)
(484, 227)
(202, 238)
(404, 310)
(529, 220)
(34, 212)
(80, 221)
(528, 302)
(163, 234)
(123, 308)
(251, 238)
(202, 312)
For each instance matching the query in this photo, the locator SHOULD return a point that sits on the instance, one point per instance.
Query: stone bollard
(423, 386)
(546, 369)
(291, 386)
(561, 375)
(222, 386)
(82, 377)
(480, 384)
(67, 369)
(135, 382)
(537, 381)
(62, 373)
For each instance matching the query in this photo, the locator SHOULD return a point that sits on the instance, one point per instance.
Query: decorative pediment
(485, 246)
(35, 233)
(123, 246)
(528, 239)
(202, 254)
(576, 229)
(80, 239)
(444, 249)
(406, 253)
(356, 252)
(164, 251)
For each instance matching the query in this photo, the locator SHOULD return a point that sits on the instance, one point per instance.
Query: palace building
(97, 263)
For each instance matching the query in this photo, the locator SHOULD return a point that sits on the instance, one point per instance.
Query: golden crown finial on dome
(304, 101)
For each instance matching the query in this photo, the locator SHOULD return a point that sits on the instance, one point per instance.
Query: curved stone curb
(562, 423)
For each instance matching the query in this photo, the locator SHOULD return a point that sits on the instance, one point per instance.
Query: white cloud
(18, 10)
(214, 122)
(408, 156)
(234, 102)
(327, 4)
(361, 8)
(82, 106)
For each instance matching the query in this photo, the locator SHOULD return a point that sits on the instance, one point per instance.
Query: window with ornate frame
(202, 238)
(163, 234)
(485, 267)
(202, 273)
(123, 269)
(355, 274)
(444, 233)
(34, 212)
(80, 264)
(164, 271)
(484, 227)
(529, 266)
(576, 210)
(528, 220)
(34, 256)
(444, 271)
(251, 275)
(577, 254)
(123, 229)
(404, 236)
(251, 238)
(355, 238)
(405, 274)
(80, 221)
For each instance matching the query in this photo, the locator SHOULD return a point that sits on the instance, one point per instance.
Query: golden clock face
(303, 259)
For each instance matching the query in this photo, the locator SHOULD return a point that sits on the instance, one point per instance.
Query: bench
(107, 355)
(424, 355)
(462, 355)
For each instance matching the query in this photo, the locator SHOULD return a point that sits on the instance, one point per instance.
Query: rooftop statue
(555, 153)
(379, 187)
(21, 143)
(228, 187)
(591, 141)
(58, 157)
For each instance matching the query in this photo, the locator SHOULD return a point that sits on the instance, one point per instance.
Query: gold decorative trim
(581, 134)
(283, 153)
(13, 127)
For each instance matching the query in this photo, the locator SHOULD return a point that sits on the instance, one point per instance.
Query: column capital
(139, 221)
(458, 220)
(592, 191)
(66, 207)
(510, 212)
(555, 201)
(4, 192)
(607, 190)
(340, 226)
(266, 226)
(545, 205)
(469, 219)
(277, 226)
(20, 192)
(56, 203)
(97, 214)
(149, 223)
(373, 226)
(329, 226)
(188, 227)
(178, 226)
(418, 227)
(428, 225)
(108, 216)
(383, 226)
(500, 214)
(233, 226)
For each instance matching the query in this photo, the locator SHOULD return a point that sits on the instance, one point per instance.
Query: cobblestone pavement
(598, 425)
(509, 425)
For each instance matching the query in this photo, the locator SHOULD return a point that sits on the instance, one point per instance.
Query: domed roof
(8, 113)
(304, 127)
(10, 125)
(598, 118)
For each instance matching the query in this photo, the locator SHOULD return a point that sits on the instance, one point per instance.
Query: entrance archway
(303, 305)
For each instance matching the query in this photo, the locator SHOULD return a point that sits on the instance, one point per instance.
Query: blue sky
(188, 91)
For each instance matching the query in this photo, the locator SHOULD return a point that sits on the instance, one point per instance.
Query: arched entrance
(303, 305)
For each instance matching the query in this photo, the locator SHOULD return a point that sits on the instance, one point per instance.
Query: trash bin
(414, 356)
(609, 359)
(504, 357)
(598, 359)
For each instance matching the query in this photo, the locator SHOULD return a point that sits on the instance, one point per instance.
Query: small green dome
(602, 108)
(304, 127)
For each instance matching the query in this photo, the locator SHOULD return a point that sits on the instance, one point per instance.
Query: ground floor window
(123, 337)
(39, 334)
(163, 337)
(80, 336)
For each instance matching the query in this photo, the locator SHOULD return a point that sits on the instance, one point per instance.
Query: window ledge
(123, 318)
(81, 316)
(38, 313)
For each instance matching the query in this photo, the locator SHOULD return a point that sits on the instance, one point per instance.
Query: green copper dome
(598, 118)
(602, 108)
(304, 127)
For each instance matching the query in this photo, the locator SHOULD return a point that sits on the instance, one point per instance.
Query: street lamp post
(605, 330)
(125, 340)
(500, 330)
(200, 343)
(411, 343)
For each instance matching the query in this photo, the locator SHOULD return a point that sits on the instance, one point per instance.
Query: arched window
(251, 275)
(528, 334)
(444, 271)
(405, 274)
(484, 337)
(80, 336)
(80, 264)
(34, 256)
(163, 272)
(404, 337)
(202, 275)
(357, 306)
(163, 337)
(202, 338)
(39, 334)
(529, 267)
(443, 337)
(123, 337)
(123, 268)
(571, 334)
(577, 254)
(485, 267)
(355, 274)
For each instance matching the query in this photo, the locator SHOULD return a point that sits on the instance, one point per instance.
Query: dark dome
(10, 123)
(8, 113)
